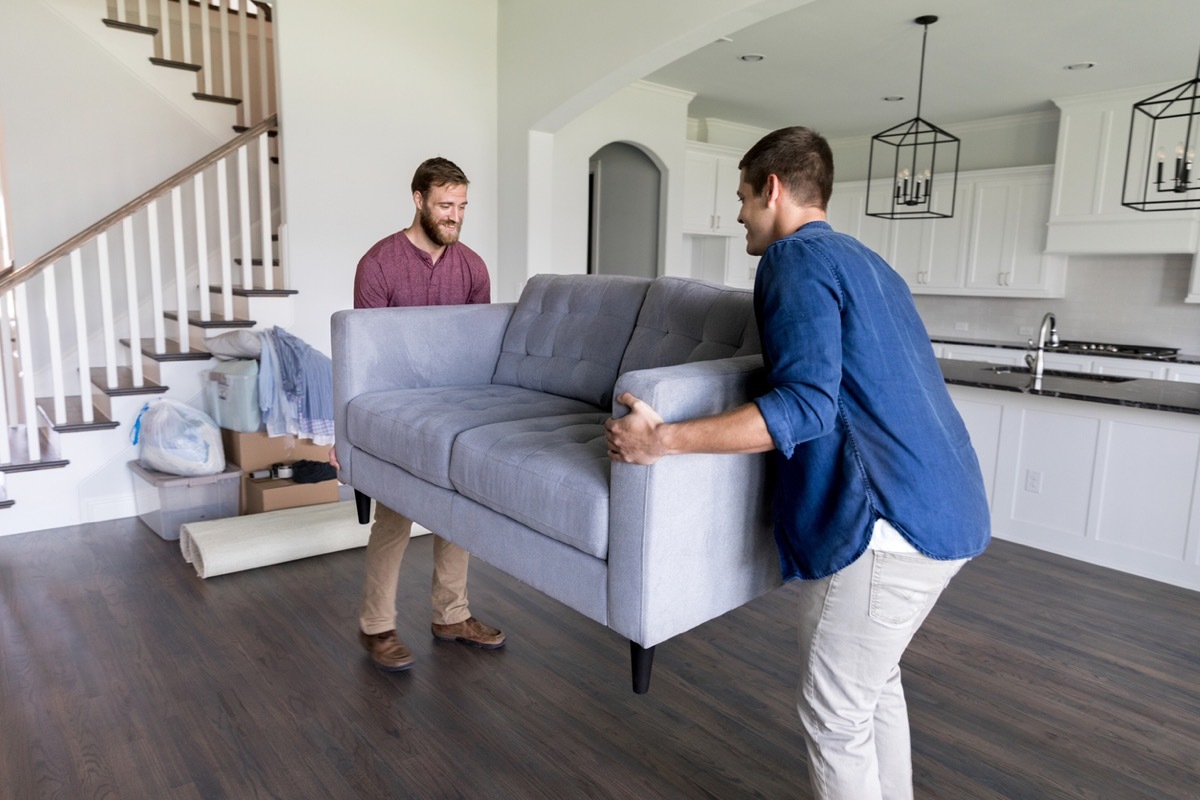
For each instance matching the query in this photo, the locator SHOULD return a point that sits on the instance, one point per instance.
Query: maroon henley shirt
(395, 272)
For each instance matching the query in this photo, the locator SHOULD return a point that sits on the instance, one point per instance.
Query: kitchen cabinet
(1187, 373)
(1086, 215)
(711, 179)
(992, 246)
(1106, 484)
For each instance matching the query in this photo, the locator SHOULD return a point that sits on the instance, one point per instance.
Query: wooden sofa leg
(643, 660)
(363, 504)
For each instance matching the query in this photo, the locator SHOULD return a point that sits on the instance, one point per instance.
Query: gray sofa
(485, 423)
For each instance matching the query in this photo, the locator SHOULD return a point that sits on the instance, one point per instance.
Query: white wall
(83, 134)
(559, 59)
(654, 118)
(366, 94)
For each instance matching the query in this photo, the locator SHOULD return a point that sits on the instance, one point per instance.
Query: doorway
(624, 212)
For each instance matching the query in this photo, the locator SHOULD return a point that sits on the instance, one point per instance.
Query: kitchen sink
(1090, 377)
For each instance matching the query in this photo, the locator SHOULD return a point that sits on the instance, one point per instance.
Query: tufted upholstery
(550, 473)
(687, 320)
(567, 335)
(415, 428)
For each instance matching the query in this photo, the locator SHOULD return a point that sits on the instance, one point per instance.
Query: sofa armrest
(691, 536)
(403, 348)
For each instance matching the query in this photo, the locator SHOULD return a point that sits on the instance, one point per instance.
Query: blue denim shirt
(858, 411)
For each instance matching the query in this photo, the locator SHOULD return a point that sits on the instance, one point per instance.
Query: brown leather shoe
(388, 653)
(470, 631)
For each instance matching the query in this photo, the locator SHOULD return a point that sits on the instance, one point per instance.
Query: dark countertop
(1181, 358)
(1145, 393)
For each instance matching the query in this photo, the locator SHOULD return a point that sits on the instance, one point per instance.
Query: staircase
(119, 313)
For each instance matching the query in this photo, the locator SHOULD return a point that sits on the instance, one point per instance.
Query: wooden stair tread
(217, 321)
(216, 98)
(166, 62)
(257, 262)
(7, 503)
(19, 452)
(99, 378)
(131, 26)
(243, 128)
(75, 415)
(173, 352)
(238, 292)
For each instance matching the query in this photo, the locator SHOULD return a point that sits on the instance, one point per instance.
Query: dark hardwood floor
(123, 675)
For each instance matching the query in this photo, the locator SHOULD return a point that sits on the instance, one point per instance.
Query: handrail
(138, 203)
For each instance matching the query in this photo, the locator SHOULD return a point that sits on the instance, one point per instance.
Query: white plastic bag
(178, 439)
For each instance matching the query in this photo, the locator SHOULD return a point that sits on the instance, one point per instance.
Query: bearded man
(422, 265)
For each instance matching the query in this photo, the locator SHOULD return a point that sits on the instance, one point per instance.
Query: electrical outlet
(962, 327)
(1033, 481)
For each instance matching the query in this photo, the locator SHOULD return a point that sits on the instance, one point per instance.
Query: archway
(624, 206)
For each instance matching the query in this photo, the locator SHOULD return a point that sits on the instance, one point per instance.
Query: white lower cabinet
(1106, 484)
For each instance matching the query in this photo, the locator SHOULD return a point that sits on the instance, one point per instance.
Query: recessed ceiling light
(1080, 65)
(892, 98)
(751, 57)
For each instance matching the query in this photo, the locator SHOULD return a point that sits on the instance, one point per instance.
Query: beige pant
(385, 552)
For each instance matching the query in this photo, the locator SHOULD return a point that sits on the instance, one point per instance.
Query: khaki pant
(385, 552)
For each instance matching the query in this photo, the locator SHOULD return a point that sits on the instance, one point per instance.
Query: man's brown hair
(437, 172)
(802, 160)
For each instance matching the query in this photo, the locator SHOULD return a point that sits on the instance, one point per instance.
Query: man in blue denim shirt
(879, 498)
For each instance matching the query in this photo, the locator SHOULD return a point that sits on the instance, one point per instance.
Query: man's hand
(634, 439)
(333, 459)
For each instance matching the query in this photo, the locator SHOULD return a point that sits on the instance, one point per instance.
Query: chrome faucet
(1047, 335)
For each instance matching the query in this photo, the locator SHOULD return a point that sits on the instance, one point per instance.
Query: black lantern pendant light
(1168, 119)
(917, 163)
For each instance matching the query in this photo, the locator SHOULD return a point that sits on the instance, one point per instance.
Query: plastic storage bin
(165, 502)
(231, 393)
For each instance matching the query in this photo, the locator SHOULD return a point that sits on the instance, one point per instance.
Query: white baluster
(223, 234)
(264, 63)
(131, 302)
(202, 245)
(106, 311)
(181, 303)
(122, 12)
(243, 181)
(156, 284)
(185, 30)
(83, 357)
(264, 210)
(164, 27)
(5, 448)
(226, 44)
(206, 60)
(8, 356)
(244, 58)
(25, 376)
(53, 342)
(143, 17)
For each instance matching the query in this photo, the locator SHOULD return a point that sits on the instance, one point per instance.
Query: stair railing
(162, 259)
(228, 43)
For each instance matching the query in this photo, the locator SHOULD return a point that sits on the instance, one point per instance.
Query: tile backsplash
(1122, 299)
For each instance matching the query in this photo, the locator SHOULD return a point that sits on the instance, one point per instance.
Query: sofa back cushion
(568, 334)
(685, 320)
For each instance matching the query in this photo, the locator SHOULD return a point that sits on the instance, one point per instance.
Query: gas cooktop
(1130, 350)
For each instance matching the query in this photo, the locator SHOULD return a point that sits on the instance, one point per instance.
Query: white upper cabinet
(992, 246)
(711, 181)
(1086, 215)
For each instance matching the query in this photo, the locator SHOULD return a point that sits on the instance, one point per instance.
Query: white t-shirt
(886, 538)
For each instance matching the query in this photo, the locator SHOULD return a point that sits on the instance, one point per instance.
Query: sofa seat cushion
(551, 474)
(415, 428)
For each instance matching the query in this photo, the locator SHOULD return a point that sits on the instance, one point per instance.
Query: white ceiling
(829, 63)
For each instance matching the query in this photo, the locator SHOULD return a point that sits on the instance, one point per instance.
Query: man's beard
(441, 234)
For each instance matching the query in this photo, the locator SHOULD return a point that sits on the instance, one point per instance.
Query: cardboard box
(277, 493)
(252, 451)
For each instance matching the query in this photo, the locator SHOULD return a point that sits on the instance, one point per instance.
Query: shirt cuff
(774, 412)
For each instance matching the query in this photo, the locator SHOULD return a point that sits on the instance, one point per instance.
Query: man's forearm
(739, 430)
